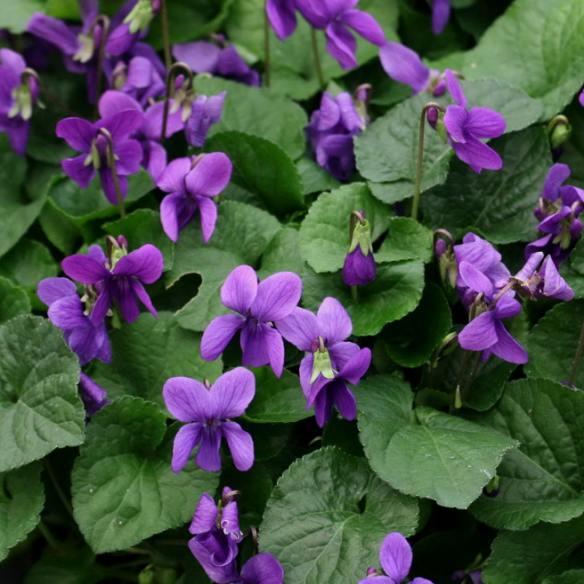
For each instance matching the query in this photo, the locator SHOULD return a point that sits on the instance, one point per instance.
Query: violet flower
(340, 19)
(207, 412)
(440, 15)
(359, 268)
(105, 147)
(118, 280)
(467, 127)
(282, 17)
(192, 184)
(331, 132)
(559, 209)
(395, 557)
(330, 363)
(257, 306)
(539, 278)
(19, 92)
(94, 396)
(263, 568)
(405, 66)
(205, 111)
(220, 59)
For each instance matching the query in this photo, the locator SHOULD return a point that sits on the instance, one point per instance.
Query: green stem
(316, 55)
(267, 56)
(49, 537)
(57, 487)
(111, 163)
(355, 293)
(577, 357)
(165, 34)
(105, 25)
(171, 75)
(420, 159)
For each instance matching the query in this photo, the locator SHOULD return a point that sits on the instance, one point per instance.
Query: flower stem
(316, 55)
(577, 357)
(105, 26)
(355, 293)
(267, 56)
(173, 71)
(49, 537)
(111, 163)
(165, 34)
(420, 158)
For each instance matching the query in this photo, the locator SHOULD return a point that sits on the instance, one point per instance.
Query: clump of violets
(467, 127)
(215, 544)
(331, 132)
(118, 279)
(192, 183)
(558, 212)
(207, 412)
(331, 364)
(19, 93)
(395, 557)
(218, 58)
(87, 339)
(105, 147)
(359, 268)
(259, 307)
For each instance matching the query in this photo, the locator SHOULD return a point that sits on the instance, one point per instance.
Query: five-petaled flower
(331, 363)
(258, 306)
(207, 412)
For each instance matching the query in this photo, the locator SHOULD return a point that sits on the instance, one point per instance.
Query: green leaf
(394, 294)
(411, 341)
(15, 15)
(282, 255)
(122, 486)
(277, 401)
(571, 577)
(537, 46)
(13, 300)
(28, 263)
(432, 454)
(554, 360)
(243, 233)
(538, 481)
(262, 168)
(147, 353)
(40, 409)
(18, 211)
(258, 112)
(68, 565)
(324, 234)
(572, 269)
(314, 178)
(497, 204)
(406, 240)
(529, 557)
(60, 229)
(328, 515)
(22, 499)
(141, 227)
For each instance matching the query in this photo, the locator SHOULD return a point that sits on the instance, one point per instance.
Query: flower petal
(186, 399)
(185, 441)
(218, 335)
(113, 102)
(440, 15)
(474, 279)
(356, 367)
(210, 175)
(454, 87)
(364, 25)
(145, 263)
(208, 215)
(275, 346)
(232, 393)
(200, 56)
(300, 328)
(172, 179)
(209, 457)
(169, 215)
(50, 290)
(239, 289)
(282, 17)
(507, 348)
(344, 400)
(554, 286)
(395, 556)
(77, 132)
(478, 155)
(122, 124)
(54, 31)
(479, 334)
(455, 120)
(277, 296)
(484, 122)
(334, 321)
(205, 517)
(263, 569)
(84, 269)
(404, 65)
(341, 45)
(240, 444)
(557, 175)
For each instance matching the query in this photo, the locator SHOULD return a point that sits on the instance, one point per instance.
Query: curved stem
(105, 26)
(267, 56)
(420, 158)
(173, 71)
(316, 55)
(165, 34)
(111, 163)
(577, 357)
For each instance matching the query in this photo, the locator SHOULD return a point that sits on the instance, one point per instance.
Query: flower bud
(147, 576)
(359, 268)
(443, 248)
(139, 18)
(559, 130)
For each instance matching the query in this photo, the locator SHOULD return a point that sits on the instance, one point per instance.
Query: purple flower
(359, 268)
(19, 91)
(219, 59)
(339, 19)
(192, 184)
(282, 17)
(581, 98)
(405, 66)
(93, 395)
(539, 278)
(87, 339)
(467, 127)
(331, 132)
(331, 363)
(217, 536)
(468, 577)
(258, 307)
(395, 557)
(206, 412)
(440, 15)
(205, 111)
(118, 280)
(262, 569)
(105, 147)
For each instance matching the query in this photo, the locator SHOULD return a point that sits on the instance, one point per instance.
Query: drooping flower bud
(444, 250)
(359, 268)
(361, 99)
(559, 130)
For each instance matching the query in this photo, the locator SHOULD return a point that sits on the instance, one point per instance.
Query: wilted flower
(192, 184)
(118, 280)
(331, 132)
(467, 127)
(258, 307)
(359, 268)
(539, 278)
(93, 395)
(440, 15)
(207, 413)
(205, 111)
(331, 363)
(395, 557)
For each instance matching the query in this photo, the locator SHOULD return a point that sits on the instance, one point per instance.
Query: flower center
(322, 363)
